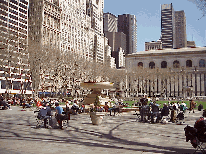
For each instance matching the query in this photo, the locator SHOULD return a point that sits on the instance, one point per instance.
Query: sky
(148, 15)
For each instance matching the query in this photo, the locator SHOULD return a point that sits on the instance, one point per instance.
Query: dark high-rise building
(127, 24)
(167, 26)
(180, 29)
(116, 40)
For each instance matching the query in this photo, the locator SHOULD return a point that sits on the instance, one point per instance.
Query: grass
(162, 102)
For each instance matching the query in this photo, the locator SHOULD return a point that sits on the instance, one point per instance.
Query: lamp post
(126, 84)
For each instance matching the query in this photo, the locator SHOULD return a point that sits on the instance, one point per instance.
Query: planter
(96, 117)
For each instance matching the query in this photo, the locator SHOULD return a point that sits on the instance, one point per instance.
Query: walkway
(120, 134)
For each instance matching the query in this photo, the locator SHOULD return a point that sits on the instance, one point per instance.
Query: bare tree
(201, 5)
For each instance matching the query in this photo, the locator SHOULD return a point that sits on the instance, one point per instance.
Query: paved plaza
(117, 134)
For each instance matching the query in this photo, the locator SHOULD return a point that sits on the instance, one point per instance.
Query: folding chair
(180, 118)
(201, 145)
(40, 120)
(165, 118)
(118, 112)
(138, 116)
(65, 120)
(145, 113)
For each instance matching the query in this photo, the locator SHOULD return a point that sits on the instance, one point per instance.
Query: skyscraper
(127, 25)
(116, 40)
(14, 64)
(167, 26)
(180, 29)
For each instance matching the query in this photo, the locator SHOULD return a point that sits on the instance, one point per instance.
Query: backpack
(39, 115)
(200, 107)
(180, 116)
(200, 125)
(182, 108)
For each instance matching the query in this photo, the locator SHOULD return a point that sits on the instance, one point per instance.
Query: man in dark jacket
(165, 110)
(155, 112)
(45, 113)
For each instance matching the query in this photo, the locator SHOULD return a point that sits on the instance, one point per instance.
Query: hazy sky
(148, 15)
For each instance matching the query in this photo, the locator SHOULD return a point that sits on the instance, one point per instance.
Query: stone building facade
(71, 26)
(14, 65)
(185, 67)
(153, 45)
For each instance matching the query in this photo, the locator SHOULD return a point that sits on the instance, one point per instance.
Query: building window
(163, 64)
(176, 64)
(151, 65)
(16, 85)
(188, 63)
(140, 64)
(202, 63)
(3, 84)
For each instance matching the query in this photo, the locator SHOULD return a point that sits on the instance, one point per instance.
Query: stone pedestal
(96, 117)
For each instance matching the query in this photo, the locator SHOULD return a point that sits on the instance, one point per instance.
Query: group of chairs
(115, 110)
(156, 115)
(48, 121)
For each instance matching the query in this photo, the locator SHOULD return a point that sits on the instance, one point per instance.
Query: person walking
(192, 106)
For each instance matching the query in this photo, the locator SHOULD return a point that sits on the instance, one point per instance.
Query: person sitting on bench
(45, 113)
(59, 114)
(155, 112)
(5, 104)
(165, 110)
(106, 107)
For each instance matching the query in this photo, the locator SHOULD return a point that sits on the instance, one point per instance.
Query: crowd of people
(172, 109)
(149, 111)
(8, 101)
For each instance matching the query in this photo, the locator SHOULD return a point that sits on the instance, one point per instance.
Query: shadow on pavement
(81, 136)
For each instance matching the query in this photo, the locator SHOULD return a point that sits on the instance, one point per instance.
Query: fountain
(96, 87)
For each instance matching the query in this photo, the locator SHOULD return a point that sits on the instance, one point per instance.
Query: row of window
(17, 85)
(176, 64)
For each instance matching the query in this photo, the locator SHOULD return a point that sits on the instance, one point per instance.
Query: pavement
(116, 134)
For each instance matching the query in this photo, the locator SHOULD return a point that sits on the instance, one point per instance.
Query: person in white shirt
(183, 104)
(69, 102)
